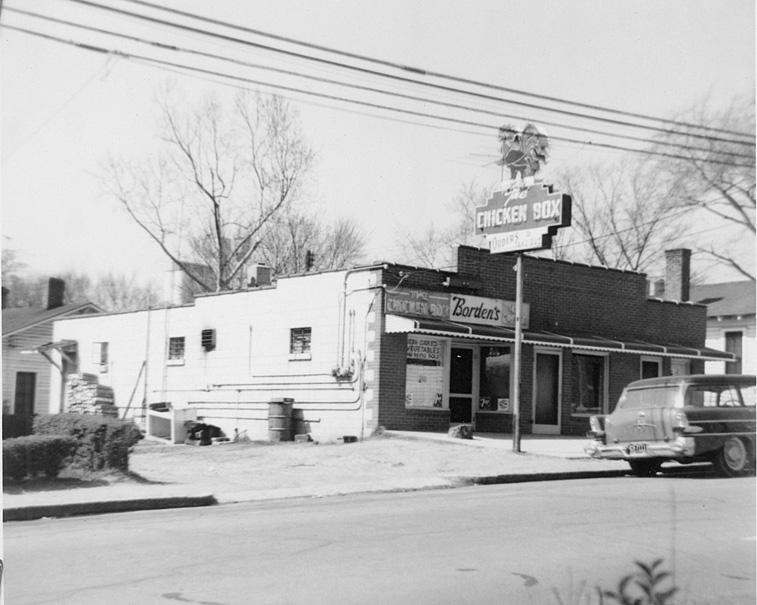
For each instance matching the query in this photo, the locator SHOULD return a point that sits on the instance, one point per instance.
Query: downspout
(343, 304)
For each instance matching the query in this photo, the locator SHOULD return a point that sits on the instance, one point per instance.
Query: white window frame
(176, 361)
(304, 355)
(560, 370)
(726, 332)
(100, 360)
(445, 353)
(649, 359)
(605, 382)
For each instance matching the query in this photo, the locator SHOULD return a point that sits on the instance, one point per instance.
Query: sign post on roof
(522, 215)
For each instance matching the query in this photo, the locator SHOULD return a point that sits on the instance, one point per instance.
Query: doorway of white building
(547, 395)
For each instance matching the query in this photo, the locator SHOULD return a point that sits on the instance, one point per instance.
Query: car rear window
(653, 397)
(721, 395)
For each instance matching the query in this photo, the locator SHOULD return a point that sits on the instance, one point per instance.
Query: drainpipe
(343, 305)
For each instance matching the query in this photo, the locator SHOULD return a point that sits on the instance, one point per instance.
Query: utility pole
(517, 348)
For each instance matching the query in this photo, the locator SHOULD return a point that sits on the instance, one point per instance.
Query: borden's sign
(486, 311)
(523, 219)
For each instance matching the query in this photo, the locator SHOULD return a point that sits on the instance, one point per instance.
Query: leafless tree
(290, 236)
(620, 217)
(222, 175)
(436, 247)
(109, 291)
(716, 175)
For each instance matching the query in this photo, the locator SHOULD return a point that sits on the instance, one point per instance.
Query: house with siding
(730, 324)
(27, 346)
(398, 346)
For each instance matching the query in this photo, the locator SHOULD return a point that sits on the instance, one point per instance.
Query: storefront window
(424, 383)
(588, 384)
(494, 380)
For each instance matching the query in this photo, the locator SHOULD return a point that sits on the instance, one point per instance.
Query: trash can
(280, 419)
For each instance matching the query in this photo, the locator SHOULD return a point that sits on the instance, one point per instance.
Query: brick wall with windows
(563, 298)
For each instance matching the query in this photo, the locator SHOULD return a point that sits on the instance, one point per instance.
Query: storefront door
(461, 384)
(546, 393)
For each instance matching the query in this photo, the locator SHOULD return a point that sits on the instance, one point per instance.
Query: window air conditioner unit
(208, 339)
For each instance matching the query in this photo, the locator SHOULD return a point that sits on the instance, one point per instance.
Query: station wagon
(680, 418)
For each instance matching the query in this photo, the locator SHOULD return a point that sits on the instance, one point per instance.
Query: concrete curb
(28, 513)
(556, 476)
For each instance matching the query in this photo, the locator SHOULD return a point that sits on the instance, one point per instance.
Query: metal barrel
(280, 426)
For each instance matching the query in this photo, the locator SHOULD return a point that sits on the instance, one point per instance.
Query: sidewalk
(167, 476)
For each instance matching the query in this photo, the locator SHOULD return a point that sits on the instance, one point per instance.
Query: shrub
(35, 454)
(101, 441)
(15, 425)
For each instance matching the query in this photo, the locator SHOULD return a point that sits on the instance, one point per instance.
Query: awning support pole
(516, 351)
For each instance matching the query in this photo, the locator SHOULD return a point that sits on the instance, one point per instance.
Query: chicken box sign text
(522, 219)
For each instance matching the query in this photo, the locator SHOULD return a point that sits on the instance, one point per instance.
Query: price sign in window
(424, 382)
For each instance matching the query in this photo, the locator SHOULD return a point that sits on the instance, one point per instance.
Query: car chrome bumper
(681, 447)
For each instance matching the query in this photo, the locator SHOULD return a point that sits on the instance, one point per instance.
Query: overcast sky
(65, 109)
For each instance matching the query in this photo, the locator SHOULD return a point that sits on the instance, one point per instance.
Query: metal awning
(396, 324)
(64, 347)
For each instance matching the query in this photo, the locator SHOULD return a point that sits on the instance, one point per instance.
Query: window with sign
(424, 378)
(494, 379)
(589, 384)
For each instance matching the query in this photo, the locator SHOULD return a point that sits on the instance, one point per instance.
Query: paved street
(497, 544)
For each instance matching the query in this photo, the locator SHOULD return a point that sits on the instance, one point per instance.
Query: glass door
(546, 393)
(461, 385)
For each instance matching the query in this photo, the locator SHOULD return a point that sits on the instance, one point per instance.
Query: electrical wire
(373, 72)
(175, 48)
(160, 62)
(426, 72)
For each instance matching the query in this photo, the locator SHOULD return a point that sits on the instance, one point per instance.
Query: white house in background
(27, 348)
(730, 324)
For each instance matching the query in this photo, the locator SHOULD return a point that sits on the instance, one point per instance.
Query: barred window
(176, 349)
(299, 341)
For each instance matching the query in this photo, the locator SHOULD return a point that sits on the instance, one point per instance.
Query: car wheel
(733, 459)
(645, 468)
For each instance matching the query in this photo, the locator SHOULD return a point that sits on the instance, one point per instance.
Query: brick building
(402, 347)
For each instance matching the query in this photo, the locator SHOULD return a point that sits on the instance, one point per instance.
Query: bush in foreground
(100, 442)
(36, 454)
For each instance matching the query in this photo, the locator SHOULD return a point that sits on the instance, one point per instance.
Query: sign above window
(461, 308)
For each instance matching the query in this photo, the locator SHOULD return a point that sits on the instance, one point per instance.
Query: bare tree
(222, 175)
(110, 292)
(716, 174)
(291, 236)
(620, 218)
(437, 247)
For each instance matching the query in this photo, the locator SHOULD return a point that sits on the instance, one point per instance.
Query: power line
(425, 72)
(174, 48)
(94, 48)
(364, 70)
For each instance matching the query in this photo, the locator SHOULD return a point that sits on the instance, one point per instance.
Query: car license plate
(637, 448)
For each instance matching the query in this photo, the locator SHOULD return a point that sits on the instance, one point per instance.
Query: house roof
(726, 299)
(17, 319)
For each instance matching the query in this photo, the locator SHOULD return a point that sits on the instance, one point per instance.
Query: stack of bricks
(84, 395)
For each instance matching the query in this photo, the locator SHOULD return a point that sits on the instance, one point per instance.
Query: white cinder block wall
(232, 385)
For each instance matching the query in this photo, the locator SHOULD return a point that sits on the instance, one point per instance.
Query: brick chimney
(56, 291)
(677, 274)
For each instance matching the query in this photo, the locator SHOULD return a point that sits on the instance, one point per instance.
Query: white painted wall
(231, 386)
